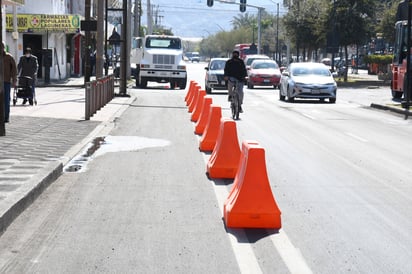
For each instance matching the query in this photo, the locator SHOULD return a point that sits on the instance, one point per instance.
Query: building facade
(52, 29)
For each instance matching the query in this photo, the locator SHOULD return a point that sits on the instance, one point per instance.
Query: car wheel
(182, 83)
(396, 95)
(290, 98)
(332, 100)
(281, 97)
(249, 85)
(208, 90)
(143, 83)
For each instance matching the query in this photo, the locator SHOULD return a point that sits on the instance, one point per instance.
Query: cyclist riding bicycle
(235, 71)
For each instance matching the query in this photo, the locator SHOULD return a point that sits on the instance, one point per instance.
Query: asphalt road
(339, 173)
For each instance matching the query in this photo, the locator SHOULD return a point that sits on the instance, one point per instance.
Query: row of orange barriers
(250, 203)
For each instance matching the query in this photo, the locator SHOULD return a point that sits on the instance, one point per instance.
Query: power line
(208, 10)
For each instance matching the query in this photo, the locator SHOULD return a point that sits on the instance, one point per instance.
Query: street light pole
(87, 72)
(260, 9)
(277, 37)
(2, 97)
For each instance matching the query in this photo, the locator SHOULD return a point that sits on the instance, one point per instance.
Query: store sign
(44, 22)
(14, 2)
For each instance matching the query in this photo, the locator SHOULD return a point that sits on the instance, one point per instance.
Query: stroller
(24, 90)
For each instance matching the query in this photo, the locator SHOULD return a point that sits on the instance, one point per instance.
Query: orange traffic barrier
(224, 161)
(199, 104)
(250, 203)
(193, 101)
(204, 116)
(190, 91)
(208, 140)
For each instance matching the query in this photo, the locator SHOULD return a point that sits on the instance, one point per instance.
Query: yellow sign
(13, 2)
(44, 22)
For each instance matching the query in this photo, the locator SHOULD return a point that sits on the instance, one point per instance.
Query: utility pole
(100, 39)
(137, 9)
(279, 56)
(260, 9)
(87, 8)
(2, 97)
(149, 18)
(123, 51)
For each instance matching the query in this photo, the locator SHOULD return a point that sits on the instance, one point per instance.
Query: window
(166, 42)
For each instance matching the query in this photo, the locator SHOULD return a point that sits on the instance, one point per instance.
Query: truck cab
(159, 58)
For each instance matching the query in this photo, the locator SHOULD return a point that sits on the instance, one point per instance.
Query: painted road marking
(356, 137)
(243, 251)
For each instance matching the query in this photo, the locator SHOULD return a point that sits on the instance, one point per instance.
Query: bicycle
(234, 98)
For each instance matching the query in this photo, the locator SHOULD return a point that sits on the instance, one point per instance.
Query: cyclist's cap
(235, 51)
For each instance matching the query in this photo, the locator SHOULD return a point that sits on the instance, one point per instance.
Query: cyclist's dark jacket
(235, 67)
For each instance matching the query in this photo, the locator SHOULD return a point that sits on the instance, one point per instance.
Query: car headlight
(213, 77)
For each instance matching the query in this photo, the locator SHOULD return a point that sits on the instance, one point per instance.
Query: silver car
(214, 74)
(307, 80)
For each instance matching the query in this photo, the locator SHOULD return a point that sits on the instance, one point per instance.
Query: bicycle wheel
(235, 106)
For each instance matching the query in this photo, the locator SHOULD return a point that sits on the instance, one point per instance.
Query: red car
(263, 73)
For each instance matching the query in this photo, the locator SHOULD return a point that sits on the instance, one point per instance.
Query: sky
(194, 19)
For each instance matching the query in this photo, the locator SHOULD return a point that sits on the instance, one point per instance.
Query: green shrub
(378, 59)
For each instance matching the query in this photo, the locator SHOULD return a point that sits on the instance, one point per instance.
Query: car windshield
(265, 65)
(250, 60)
(217, 64)
(163, 42)
(305, 71)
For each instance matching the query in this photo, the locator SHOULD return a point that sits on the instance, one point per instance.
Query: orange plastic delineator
(224, 161)
(198, 108)
(208, 140)
(193, 101)
(204, 116)
(190, 91)
(250, 203)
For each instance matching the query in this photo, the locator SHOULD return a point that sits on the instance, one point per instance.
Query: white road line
(243, 251)
(356, 137)
(309, 116)
(245, 256)
(291, 256)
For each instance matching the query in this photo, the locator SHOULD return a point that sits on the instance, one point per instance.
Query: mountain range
(194, 19)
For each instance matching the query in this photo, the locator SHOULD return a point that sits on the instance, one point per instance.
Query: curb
(30, 191)
(392, 109)
(364, 83)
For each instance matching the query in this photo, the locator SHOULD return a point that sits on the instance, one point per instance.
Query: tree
(222, 43)
(352, 21)
(304, 24)
(386, 26)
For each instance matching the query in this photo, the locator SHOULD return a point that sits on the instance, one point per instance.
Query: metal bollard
(98, 93)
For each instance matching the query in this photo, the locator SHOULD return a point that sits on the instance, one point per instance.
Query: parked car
(307, 80)
(263, 73)
(252, 57)
(214, 74)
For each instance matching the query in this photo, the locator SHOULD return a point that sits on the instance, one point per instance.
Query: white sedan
(307, 80)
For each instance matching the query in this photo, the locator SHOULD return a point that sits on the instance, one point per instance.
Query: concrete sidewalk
(41, 139)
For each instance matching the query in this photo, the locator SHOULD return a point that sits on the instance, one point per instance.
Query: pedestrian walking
(28, 66)
(10, 78)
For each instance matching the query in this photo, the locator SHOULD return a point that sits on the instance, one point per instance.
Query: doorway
(35, 42)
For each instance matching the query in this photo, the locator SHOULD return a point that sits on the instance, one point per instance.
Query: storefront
(50, 37)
